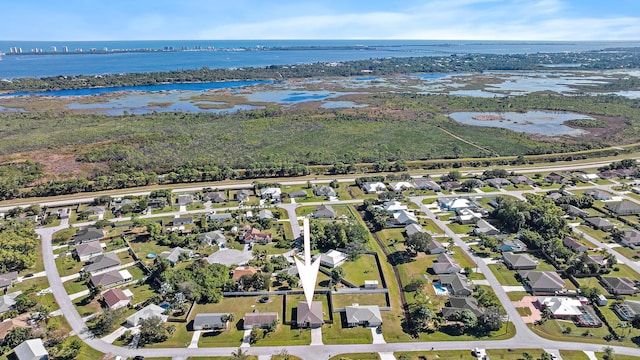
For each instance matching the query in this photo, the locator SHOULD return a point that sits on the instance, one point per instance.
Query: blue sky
(314, 19)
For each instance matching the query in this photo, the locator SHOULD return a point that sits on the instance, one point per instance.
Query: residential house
(332, 258)
(461, 303)
(242, 195)
(215, 197)
(239, 272)
(368, 316)
(607, 175)
(498, 183)
(324, 191)
(271, 193)
(309, 317)
(626, 173)
(599, 260)
(173, 256)
(561, 307)
(102, 262)
(253, 235)
(110, 278)
(8, 301)
(259, 319)
(628, 310)
(542, 282)
(88, 249)
(598, 194)
(435, 247)
(119, 203)
(210, 321)
(631, 238)
(149, 311)
(450, 185)
(90, 233)
(574, 245)
(212, 237)
(484, 227)
(600, 223)
(156, 203)
(458, 284)
(623, 208)
(554, 195)
(374, 187)
(371, 284)
(394, 206)
(519, 261)
(116, 298)
(95, 210)
(182, 220)
(185, 199)
(32, 349)
(63, 213)
(401, 186)
(324, 212)
(454, 204)
(403, 217)
(413, 229)
(618, 285)
(7, 279)
(298, 194)
(265, 214)
(521, 179)
(424, 184)
(467, 216)
(512, 245)
(576, 212)
(555, 178)
(221, 217)
(445, 265)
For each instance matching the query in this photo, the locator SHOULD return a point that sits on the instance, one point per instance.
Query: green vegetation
(20, 244)
(587, 123)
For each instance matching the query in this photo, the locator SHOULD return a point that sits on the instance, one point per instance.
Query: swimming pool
(440, 290)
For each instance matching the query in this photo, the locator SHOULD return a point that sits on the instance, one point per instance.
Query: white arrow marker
(308, 271)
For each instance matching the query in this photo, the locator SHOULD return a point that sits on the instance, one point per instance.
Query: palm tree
(239, 355)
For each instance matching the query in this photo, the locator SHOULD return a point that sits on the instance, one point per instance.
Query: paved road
(632, 264)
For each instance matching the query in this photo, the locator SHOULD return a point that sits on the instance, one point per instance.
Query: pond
(341, 104)
(547, 123)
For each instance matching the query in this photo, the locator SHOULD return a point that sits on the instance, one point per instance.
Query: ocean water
(248, 53)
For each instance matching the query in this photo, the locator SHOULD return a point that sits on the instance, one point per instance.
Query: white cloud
(438, 19)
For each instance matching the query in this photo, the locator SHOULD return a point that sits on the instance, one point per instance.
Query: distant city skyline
(83, 20)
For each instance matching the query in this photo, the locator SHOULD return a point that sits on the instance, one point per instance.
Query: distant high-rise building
(54, 49)
(65, 49)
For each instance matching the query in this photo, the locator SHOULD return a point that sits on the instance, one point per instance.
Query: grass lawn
(357, 356)
(414, 268)
(430, 225)
(516, 295)
(141, 292)
(49, 301)
(553, 330)
(67, 265)
(615, 322)
(573, 355)
(166, 209)
(507, 331)
(592, 282)
(359, 194)
(75, 286)
(32, 284)
(180, 338)
(524, 311)
(271, 248)
(618, 357)
(460, 229)
(285, 335)
(462, 258)
(514, 354)
(436, 354)
(504, 275)
(361, 269)
(489, 189)
(628, 252)
(337, 333)
(342, 300)
(238, 306)
(86, 353)
(597, 234)
(124, 257)
(251, 357)
(624, 271)
(90, 308)
(144, 248)
(390, 237)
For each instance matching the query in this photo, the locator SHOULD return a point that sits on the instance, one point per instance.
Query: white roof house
(145, 313)
(453, 204)
(394, 206)
(374, 187)
(332, 258)
(401, 186)
(272, 192)
(562, 306)
(32, 349)
(404, 217)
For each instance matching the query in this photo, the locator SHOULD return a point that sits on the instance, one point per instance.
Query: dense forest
(596, 60)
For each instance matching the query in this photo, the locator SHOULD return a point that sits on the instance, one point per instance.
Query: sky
(320, 19)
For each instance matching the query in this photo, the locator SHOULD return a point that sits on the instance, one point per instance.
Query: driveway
(527, 302)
